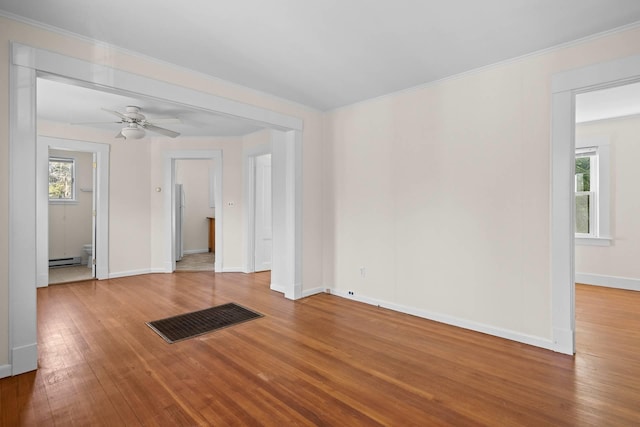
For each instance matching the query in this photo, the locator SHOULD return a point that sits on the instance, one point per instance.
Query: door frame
(25, 63)
(564, 88)
(100, 195)
(169, 161)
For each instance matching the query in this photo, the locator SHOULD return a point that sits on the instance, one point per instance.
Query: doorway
(71, 222)
(26, 63)
(564, 88)
(195, 214)
(93, 186)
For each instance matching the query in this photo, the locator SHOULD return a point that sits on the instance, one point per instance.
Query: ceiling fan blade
(160, 130)
(115, 113)
(120, 135)
(166, 121)
(93, 123)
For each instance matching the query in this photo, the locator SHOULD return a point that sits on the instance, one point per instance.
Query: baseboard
(196, 251)
(314, 291)
(24, 359)
(5, 371)
(119, 274)
(232, 270)
(454, 321)
(277, 287)
(608, 281)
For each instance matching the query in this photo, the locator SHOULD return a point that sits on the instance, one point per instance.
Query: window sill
(593, 241)
(63, 202)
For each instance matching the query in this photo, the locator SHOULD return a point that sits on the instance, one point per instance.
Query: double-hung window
(592, 191)
(586, 188)
(62, 179)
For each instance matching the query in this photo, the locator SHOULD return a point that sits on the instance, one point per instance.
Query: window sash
(70, 186)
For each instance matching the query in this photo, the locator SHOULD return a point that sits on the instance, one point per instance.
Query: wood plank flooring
(322, 360)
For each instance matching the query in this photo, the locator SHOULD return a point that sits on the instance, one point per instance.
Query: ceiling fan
(135, 124)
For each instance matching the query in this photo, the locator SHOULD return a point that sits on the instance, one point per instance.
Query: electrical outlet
(231, 204)
(350, 292)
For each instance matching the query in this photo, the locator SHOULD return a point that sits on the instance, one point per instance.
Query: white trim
(314, 291)
(450, 320)
(119, 274)
(232, 270)
(25, 64)
(22, 213)
(593, 241)
(169, 172)
(196, 251)
(564, 87)
(627, 283)
(44, 143)
(24, 358)
(5, 371)
(277, 287)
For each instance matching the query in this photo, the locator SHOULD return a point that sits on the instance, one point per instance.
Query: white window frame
(600, 177)
(74, 190)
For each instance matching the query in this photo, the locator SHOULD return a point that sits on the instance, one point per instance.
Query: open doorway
(564, 89)
(195, 214)
(607, 231)
(71, 225)
(24, 213)
(77, 228)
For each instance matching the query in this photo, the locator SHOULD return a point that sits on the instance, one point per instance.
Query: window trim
(74, 189)
(601, 236)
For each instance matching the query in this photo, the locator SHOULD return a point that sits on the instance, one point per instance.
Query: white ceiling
(330, 53)
(66, 103)
(602, 104)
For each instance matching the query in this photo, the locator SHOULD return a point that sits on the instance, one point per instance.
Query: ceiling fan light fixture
(133, 132)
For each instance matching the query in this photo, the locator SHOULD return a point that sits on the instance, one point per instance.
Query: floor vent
(64, 262)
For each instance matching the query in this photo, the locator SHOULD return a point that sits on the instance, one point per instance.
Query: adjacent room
(319, 213)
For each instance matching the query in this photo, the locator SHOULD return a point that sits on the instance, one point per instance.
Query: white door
(263, 232)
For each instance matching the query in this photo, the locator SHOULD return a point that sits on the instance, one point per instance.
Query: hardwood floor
(322, 360)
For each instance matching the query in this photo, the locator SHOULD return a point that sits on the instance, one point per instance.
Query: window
(592, 191)
(62, 177)
(586, 188)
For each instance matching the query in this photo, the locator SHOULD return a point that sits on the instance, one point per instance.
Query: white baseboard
(196, 251)
(277, 287)
(119, 274)
(232, 270)
(5, 371)
(24, 359)
(608, 281)
(314, 291)
(454, 321)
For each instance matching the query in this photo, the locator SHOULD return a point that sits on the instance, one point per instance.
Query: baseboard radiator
(59, 262)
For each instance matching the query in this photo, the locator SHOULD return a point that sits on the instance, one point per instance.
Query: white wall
(232, 242)
(442, 194)
(195, 179)
(70, 223)
(620, 259)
